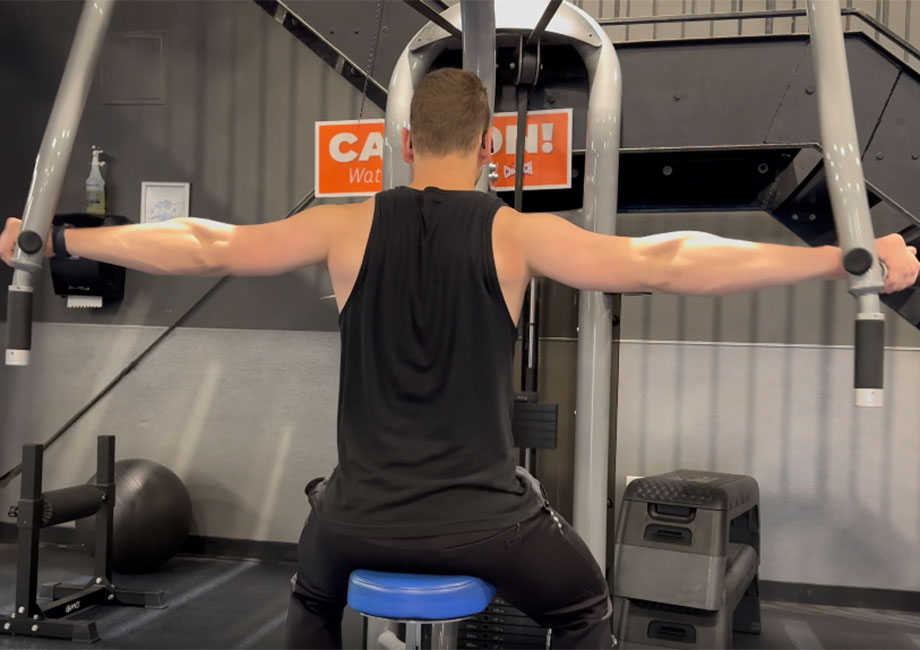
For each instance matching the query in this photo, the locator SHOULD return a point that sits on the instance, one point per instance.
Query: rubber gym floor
(222, 603)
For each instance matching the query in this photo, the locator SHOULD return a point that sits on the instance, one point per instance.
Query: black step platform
(687, 557)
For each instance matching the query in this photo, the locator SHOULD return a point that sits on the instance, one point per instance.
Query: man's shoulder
(351, 211)
(506, 216)
(343, 221)
(363, 208)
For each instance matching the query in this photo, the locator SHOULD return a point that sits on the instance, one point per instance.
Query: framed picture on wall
(164, 201)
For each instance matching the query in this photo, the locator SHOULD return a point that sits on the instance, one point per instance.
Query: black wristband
(57, 241)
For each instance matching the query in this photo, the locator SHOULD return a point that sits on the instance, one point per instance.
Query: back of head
(450, 113)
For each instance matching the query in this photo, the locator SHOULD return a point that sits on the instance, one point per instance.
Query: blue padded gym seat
(417, 599)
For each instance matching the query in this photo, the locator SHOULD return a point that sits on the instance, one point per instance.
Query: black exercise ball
(152, 518)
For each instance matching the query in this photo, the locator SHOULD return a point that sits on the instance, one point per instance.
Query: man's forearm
(703, 264)
(176, 247)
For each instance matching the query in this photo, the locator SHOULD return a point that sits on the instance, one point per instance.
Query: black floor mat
(211, 603)
(216, 603)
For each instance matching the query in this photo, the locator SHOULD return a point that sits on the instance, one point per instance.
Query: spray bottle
(95, 185)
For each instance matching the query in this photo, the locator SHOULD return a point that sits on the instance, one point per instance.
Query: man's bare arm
(688, 263)
(202, 247)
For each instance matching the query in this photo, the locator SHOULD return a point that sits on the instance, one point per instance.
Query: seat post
(444, 635)
(441, 636)
(414, 635)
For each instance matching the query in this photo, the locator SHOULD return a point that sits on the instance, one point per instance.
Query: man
(429, 280)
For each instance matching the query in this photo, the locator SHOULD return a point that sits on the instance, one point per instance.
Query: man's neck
(445, 172)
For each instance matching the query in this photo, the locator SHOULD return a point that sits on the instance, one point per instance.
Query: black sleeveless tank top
(425, 386)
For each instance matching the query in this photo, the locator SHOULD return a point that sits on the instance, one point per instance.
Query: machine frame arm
(849, 200)
(478, 22)
(48, 174)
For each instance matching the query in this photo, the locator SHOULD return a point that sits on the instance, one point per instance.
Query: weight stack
(687, 556)
(501, 626)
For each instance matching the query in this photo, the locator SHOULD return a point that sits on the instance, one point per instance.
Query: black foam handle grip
(869, 354)
(19, 320)
(68, 504)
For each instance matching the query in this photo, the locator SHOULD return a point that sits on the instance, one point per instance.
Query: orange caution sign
(349, 153)
(349, 158)
(547, 149)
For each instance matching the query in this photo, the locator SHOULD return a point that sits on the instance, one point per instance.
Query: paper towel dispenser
(87, 283)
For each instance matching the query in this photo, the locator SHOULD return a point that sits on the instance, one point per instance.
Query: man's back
(347, 245)
(425, 393)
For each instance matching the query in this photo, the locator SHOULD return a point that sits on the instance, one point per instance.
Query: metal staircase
(708, 124)
(731, 124)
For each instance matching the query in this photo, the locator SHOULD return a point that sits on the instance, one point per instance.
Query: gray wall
(244, 417)
(837, 483)
(242, 404)
(761, 384)
(236, 120)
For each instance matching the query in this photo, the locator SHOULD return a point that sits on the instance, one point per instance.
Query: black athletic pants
(540, 565)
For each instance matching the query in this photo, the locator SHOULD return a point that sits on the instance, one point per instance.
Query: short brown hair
(450, 113)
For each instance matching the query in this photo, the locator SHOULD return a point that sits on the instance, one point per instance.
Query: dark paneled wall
(233, 115)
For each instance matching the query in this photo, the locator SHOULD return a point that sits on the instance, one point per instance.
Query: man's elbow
(211, 263)
(674, 266)
(682, 279)
(216, 260)
(211, 253)
(661, 267)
